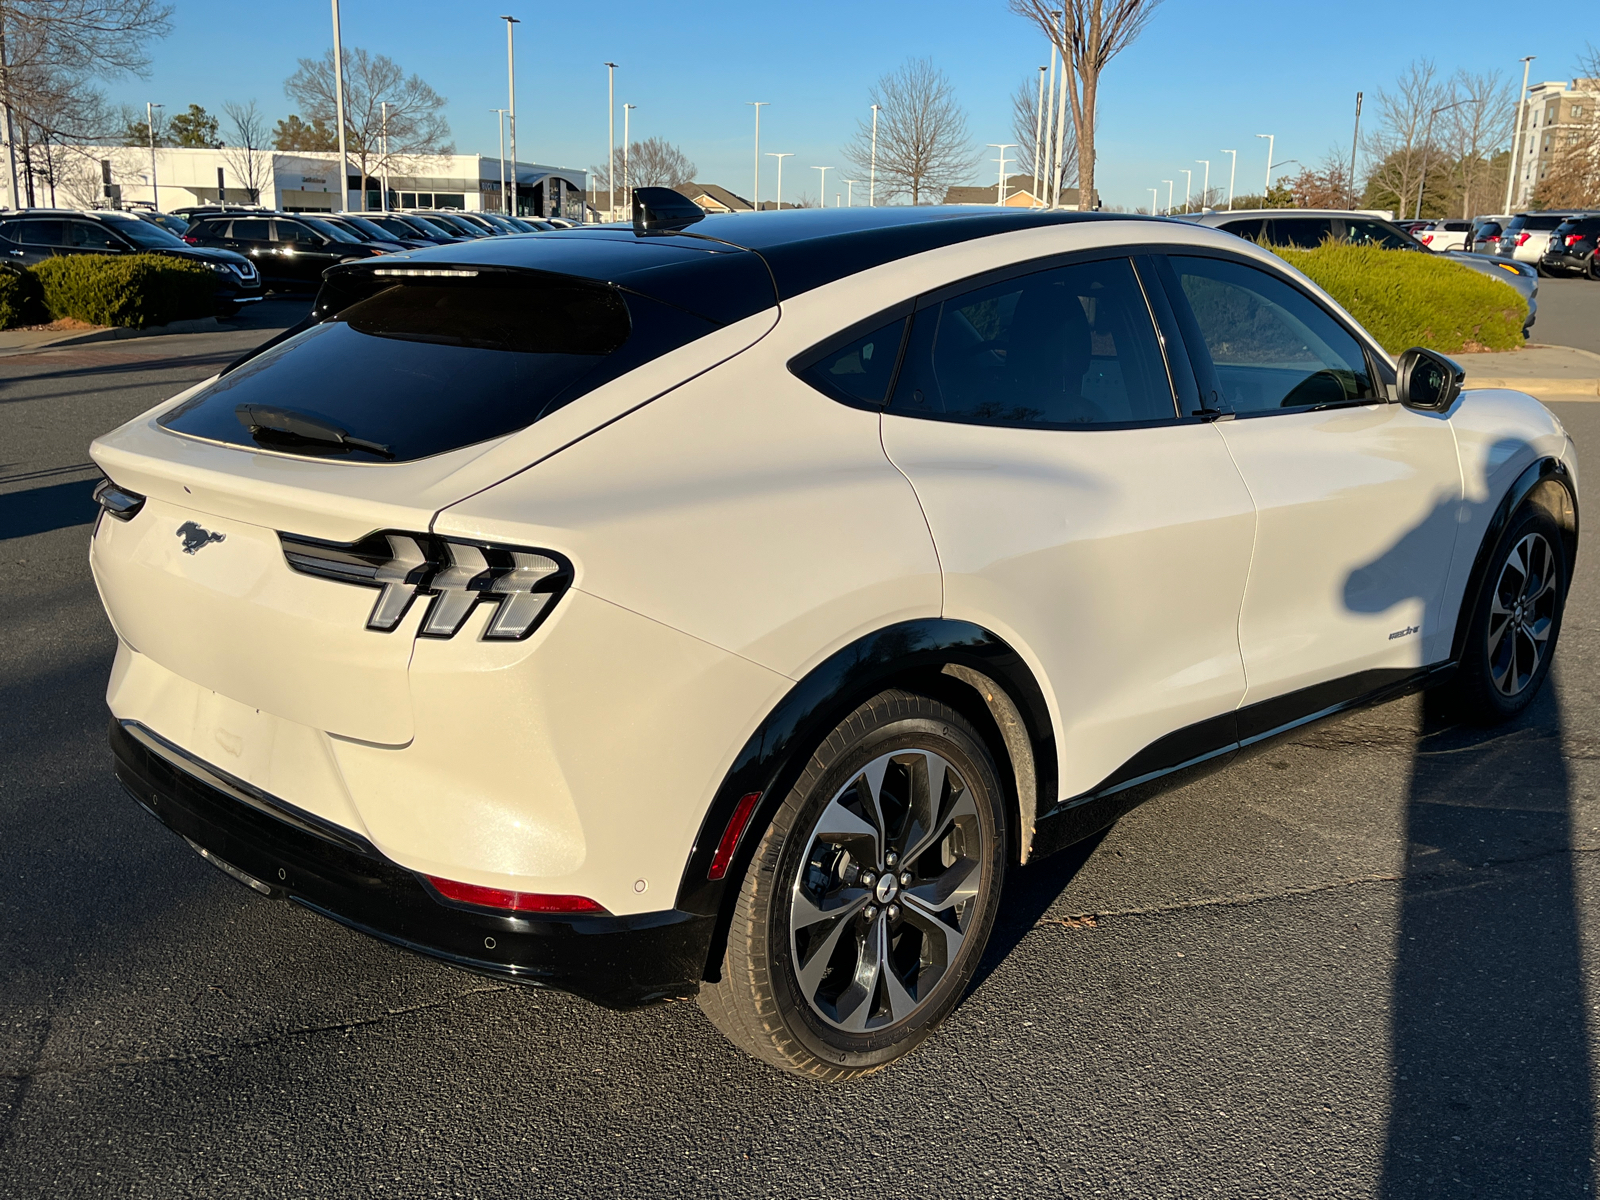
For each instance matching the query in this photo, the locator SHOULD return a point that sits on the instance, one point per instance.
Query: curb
(197, 325)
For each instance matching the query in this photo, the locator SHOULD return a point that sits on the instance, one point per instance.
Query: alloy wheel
(887, 891)
(1522, 613)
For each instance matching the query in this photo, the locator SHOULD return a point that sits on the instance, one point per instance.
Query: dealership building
(300, 181)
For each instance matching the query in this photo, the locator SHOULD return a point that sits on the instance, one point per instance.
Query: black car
(459, 223)
(291, 250)
(369, 231)
(1572, 248)
(33, 235)
(411, 225)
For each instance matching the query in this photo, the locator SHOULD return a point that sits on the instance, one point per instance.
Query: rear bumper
(620, 962)
(1560, 260)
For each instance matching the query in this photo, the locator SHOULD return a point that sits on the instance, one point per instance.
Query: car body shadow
(42, 509)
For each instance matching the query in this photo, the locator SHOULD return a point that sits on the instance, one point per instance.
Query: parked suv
(1572, 248)
(644, 615)
(1485, 235)
(1527, 235)
(1308, 228)
(1446, 235)
(291, 250)
(33, 235)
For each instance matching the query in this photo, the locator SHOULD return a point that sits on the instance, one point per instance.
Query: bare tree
(1573, 178)
(1399, 141)
(923, 144)
(415, 123)
(1089, 34)
(245, 151)
(1474, 132)
(654, 162)
(1025, 124)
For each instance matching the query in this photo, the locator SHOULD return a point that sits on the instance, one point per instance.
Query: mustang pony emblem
(196, 539)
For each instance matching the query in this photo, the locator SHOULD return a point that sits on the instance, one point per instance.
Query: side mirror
(1428, 380)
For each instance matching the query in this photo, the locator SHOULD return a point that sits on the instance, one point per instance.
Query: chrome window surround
(451, 576)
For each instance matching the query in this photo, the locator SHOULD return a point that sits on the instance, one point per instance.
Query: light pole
(1355, 140)
(1516, 145)
(1154, 192)
(502, 124)
(511, 105)
(755, 200)
(1000, 187)
(1058, 158)
(1426, 138)
(343, 200)
(1233, 168)
(1188, 186)
(1268, 186)
(822, 186)
(150, 121)
(627, 178)
(1038, 133)
(1205, 188)
(872, 187)
(1168, 182)
(383, 200)
(780, 158)
(850, 192)
(611, 142)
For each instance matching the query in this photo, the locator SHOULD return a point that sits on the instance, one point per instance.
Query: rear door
(40, 238)
(91, 237)
(302, 251)
(1356, 498)
(1074, 511)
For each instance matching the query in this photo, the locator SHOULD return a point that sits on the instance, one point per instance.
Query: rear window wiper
(267, 418)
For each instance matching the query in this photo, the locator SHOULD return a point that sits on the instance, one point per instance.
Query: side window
(1303, 233)
(208, 229)
(860, 372)
(1374, 233)
(41, 233)
(1250, 230)
(255, 230)
(1272, 346)
(1070, 346)
(88, 236)
(293, 231)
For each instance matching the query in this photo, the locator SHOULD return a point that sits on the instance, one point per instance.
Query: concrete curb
(198, 325)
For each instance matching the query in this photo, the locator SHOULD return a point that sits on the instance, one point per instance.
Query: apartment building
(1556, 116)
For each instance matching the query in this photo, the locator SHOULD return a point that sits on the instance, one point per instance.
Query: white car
(1446, 235)
(1527, 235)
(725, 606)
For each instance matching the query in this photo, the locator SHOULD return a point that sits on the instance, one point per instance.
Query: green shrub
(1408, 299)
(135, 291)
(21, 299)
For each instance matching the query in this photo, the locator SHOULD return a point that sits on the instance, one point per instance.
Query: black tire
(832, 1027)
(1516, 620)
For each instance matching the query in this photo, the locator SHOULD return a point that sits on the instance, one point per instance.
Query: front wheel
(870, 897)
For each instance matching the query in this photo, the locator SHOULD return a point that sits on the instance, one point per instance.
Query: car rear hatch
(424, 384)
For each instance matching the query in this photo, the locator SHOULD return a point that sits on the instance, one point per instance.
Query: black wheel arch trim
(1546, 470)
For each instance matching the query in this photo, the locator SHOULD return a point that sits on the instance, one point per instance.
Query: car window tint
(293, 231)
(253, 230)
(1272, 346)
(41, 233)
(1374, 233)
(1304, 233)
(1070, 346)
(1251, 229)
(88, 236)
(208, 229)
(861, 371)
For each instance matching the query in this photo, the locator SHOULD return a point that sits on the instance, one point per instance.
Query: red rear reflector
(488, 897)
(730, 835)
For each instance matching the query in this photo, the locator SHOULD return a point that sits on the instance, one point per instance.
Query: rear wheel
(870, 897)
(1516, 622)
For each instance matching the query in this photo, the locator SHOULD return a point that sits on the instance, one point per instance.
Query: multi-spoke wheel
(1517, 619)
(870, 897)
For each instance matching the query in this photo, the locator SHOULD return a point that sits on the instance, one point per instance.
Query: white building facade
(1554, 117)
(292, 181)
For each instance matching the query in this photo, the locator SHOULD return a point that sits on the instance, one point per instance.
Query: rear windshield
(425, 366)
(1535, 222)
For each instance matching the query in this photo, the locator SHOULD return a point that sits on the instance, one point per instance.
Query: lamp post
(1205, 188)
(780, 158)
(1268, 186)
(1233, 168)
(383, 199)
(611, 142)
(872, 187)
(150, 122)
(1355, 140)
(338, 111)
(627, 179)
(1168, 182)
(1000, 187)
(511, 105)
(502, 124)
(1188, 186)
(850, 192)
(1426, 138)
(1154, 192)
(1050, 121)
(755, 200)
(1059, 156)
(1516, 144)
(1038, 133)
(822, 186)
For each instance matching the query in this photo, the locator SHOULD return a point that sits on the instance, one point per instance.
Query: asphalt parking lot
(1360, 963)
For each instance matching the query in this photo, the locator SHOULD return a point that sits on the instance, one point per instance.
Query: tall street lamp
(1205, 188)
(1516, 145)
(150, 121)
(850, 192)
(1038, 129)
(1268, 187)
(1154, 192)
(872, 185)
(611, 142)
(502, 123)
(1168, 182)
(780, 158)
(627, 178)
(511, 102)
(1188, 186)
(343, 200)
(1426, 138)
(383, 141)
(1000, 187)
(822, 186)
(1233, 168)
(755, 200)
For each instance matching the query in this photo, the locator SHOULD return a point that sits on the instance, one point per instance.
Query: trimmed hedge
(1407, 300)
(134, 291)
(21, 298)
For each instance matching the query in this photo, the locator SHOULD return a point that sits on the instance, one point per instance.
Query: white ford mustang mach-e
(724, 606)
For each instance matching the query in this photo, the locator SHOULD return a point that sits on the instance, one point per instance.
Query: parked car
(175, 225)
(33, 235)
(640, 615)
(370, 231)
(1572, 248)
(458, 223)
(422, 228)
(1485, 235)
(1445, 235)
(1307, 228)
(1411, 227)
(1527, 235)
(291, 250)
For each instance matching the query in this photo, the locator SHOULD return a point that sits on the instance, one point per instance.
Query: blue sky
(1203, 76)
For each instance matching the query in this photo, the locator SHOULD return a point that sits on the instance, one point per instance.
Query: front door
(303, 253)
(1356, 498)
(1074, 512)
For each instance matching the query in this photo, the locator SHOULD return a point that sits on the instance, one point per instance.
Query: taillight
(1493, 237)
(451, 576)
(122, 504)
(1521, 238)
(1427, 239)
(1574, 237)
(191, 239)
(528, 902)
